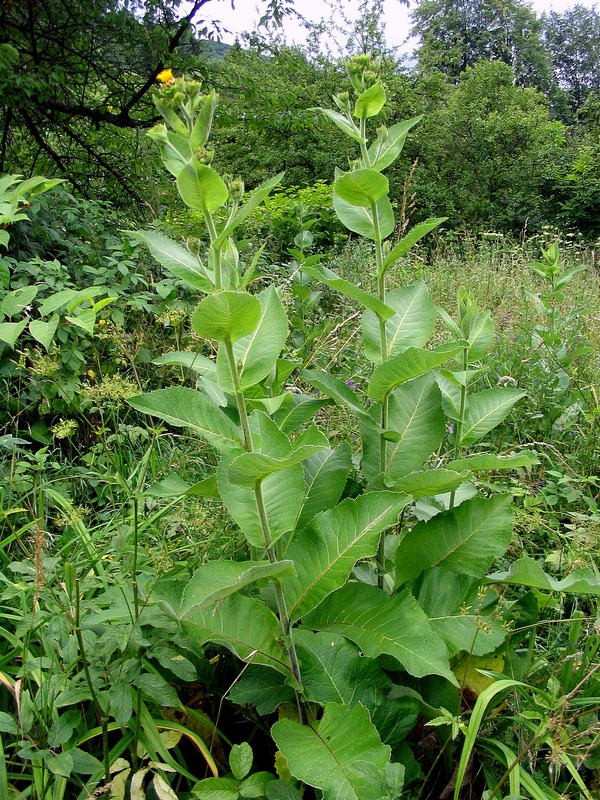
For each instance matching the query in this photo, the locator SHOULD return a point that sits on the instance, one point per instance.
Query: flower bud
(237, 189)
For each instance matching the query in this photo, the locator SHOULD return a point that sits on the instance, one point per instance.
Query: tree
(483, 153)
(75, 77)
(456, 34)
(573, 41)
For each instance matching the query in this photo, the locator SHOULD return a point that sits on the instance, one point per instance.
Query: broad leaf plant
(354, 609)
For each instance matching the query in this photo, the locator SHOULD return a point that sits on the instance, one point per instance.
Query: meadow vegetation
(299, 488)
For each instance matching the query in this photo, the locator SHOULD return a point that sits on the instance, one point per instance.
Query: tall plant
(310, 625)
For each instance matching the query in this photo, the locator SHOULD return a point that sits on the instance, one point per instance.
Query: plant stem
(460, 423)
(88, 678)
(266, 532)
(385, 402)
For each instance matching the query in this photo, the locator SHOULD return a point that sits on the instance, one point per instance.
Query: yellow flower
(166, 76)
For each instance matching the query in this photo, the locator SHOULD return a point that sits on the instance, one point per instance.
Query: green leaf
(202, 125)
(187, 408)
(255, 785)
(343, 124)
(245, 626)
(485, 410)
(411, 238)
(379, 624)
(485, 461)
(216, 789)
(339, 392)
(174, 486)
(348, 289)
(388, 146)
(481, 335)
(14, 302)
(325, 552)
(262, 688)
(527, 572)
(171, 116)
(299, 410)
(361, 187)
(85, 319)
(456, 612)
(325, 474)
(256, 354)
(43, 332)
(416, 427)
(201, 187)
(227, 316)
(408, 365)
(176, 259)
(219, 579)
(10, 331)
(282, 492)
(240, 760)
(59, 763)
(363, 221)
(121, 702)
(465, 539)
(411, 325)
(175, 149)
(157, 689)
(333, 754)
(370, 102)
(429, 482)
(254, 200)
(249, 469)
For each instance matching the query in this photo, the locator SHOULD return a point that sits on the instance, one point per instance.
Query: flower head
(165, 76)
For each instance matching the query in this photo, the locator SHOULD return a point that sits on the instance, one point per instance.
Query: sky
(246, 13)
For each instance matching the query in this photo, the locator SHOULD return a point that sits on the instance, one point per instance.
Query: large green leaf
(416, 426)
(429, 482)
(411, 325)
(464, 620)
(201, 187)
(282, 493)
(325, 474)
(485, 461)
(364, 221)
(176, 259)
(256, 354)
(227, 316)
(219, 579)
(327, 276)
(388, 146)
(202, 125)
(249, 469)
(339, 392)
(262, 688)
(341, 754)
(465, 539)
(43, 332)
(325, 552)
(527, 572)
(300, 408)
(380, 624)
(15, 302)
(410, 239)
(370, 102)
(10, 331)
(481, 335)
(343, 123)
(245, 626)
(408, 365)
(361, 187)
(187, 408)
(335, 671)
(485, 410)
